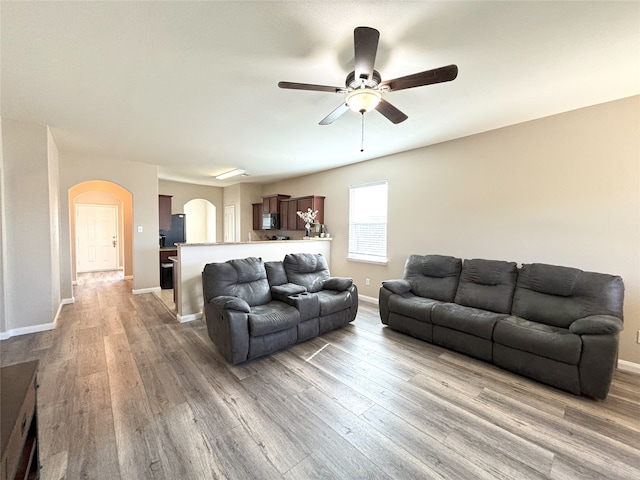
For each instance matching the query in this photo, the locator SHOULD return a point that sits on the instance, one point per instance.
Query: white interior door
(96, 238)
(229, 223)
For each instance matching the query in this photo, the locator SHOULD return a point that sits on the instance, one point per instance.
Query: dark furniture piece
(19, 417)
(253, 308)
(166, 267)
(555, 324)
(164, 212)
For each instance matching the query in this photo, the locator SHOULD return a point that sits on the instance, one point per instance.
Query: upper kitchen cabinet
(164, 210)
(271, 203)
(313, 202)
(257, 216)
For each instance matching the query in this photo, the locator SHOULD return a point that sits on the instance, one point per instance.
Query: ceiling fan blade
(391, 112)
(365, 42)
(437, 75)
(329, 119)
(310, 86)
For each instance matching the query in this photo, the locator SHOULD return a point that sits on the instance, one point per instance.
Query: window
(368, 222)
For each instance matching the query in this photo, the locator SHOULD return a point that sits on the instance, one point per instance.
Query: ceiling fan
(364, 86)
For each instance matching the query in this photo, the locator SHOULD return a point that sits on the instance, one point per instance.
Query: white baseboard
(146, 290)
(366, 299)
(189, 318)
(629, 366)
(43, 327)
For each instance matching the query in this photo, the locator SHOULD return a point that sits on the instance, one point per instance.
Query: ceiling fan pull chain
(362, 134)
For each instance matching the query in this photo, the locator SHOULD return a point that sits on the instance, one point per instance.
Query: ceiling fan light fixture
(363, 100)
(230, 173)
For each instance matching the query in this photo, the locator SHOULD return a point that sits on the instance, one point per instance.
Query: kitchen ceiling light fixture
(231, 173)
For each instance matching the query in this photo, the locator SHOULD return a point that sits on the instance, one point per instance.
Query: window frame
(377, 257)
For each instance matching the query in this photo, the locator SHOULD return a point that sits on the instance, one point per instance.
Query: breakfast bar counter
(192, 257)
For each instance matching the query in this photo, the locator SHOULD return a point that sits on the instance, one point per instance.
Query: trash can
(166, 275)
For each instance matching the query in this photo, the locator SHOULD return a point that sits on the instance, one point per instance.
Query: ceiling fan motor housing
(353, 82)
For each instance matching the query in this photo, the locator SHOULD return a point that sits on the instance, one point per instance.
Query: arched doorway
(201, 221)
(106, 194)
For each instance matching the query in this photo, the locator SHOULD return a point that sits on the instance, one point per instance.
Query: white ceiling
(192, 86)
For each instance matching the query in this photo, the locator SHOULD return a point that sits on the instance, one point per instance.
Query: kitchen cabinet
(284, 214)
(164, 211)
(271, 203)
(301, 204)
(288, 208)
(257, 216)
(19, 432)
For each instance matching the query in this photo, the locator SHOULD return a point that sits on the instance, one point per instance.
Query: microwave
(270, 221)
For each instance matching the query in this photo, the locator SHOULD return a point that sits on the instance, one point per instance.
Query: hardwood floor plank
(599, 453)
(340, 457)
(238, 456)
(92, 445)
(432, 423)
(378, 448)
(209, 407)
(91, 356)
(184, 449)
(135, 429)
(411, 435)
(338, 391)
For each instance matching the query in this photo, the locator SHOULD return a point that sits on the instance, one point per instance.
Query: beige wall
(563, 190)
(30, 234)
(141, 180)
(54, 219)
(184, 192)
(3, 276)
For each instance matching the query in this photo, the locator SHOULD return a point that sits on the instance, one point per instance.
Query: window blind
(368, 222)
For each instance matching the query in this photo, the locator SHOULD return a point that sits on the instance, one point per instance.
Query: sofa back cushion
(245, 278)
(275, 273)
(487, 284)
(307, 269)
(433, 276)
(557, 295)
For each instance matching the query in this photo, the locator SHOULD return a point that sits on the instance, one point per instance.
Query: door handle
(114, 243)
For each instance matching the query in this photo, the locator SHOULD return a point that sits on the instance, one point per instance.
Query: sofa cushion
(553, 279)
(487, 284)
(245, 278)
(275, 273)
(433, 276)
(272, 317)
(545, 340)
(466, 319)
(413, 306)
(287, 289)
(577, 294)
(332, 301)
(307, 269)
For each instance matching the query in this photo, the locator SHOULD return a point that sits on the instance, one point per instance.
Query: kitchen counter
(192, 257)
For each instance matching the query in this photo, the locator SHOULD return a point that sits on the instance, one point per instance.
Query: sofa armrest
(596, 325)
(399, 286)
(287, 289)
(225, 302)
(340, 284)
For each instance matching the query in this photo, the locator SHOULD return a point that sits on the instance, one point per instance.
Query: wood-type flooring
(128, 392)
